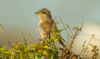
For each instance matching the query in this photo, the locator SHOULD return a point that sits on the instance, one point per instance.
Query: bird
(47, 27)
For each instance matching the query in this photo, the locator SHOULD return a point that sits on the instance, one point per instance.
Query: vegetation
(48, 49)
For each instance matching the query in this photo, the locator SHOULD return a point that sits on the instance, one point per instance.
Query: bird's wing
(49, 28)
(46, 27)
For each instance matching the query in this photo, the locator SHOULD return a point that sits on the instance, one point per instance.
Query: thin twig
(9, 44)
(64, 27)
(25, 41)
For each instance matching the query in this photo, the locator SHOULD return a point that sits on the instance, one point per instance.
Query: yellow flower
(45, 53)
(46, 47)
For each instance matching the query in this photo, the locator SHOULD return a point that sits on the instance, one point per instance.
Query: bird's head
(43, 13)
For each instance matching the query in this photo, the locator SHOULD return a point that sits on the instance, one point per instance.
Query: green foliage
(34, 51)
(47, 49)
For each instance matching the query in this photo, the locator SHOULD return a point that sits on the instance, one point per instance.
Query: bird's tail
(61, 41)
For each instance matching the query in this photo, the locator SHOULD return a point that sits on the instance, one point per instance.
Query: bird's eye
(43, 12)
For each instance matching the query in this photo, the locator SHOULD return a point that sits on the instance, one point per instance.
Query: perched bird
(47, 26)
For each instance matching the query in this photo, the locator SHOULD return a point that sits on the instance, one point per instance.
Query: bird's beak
(36, 13)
